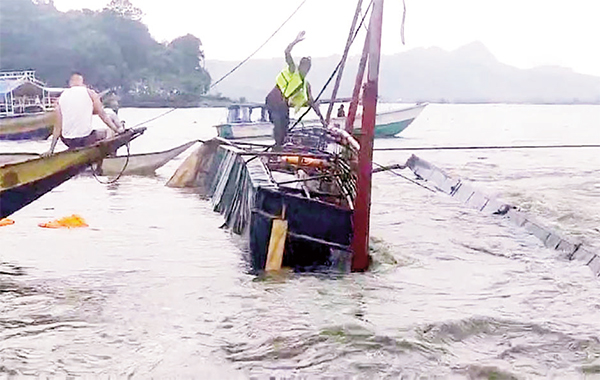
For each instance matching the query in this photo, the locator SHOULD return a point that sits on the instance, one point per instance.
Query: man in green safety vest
(291, 90)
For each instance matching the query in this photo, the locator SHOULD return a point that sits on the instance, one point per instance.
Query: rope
(154, 118)
(491, 147)
(260, 47)
(388, 169)
(236, 67)
(403, 21)
(119, 175)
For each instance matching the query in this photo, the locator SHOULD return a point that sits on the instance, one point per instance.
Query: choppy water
(154, 288)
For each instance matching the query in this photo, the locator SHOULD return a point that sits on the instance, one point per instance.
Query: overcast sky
(522, 33)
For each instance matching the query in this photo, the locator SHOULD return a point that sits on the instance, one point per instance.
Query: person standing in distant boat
(341, 112)
(74, 111)
(291, 90)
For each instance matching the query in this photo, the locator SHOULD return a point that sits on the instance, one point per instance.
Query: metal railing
(20, 75)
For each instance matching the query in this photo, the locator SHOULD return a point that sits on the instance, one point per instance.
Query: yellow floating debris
(6, 222)
(73, 221)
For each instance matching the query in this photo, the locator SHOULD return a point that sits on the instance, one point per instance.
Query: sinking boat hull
(23, 182)
(311, 238)
(242, 190)
(27, 127)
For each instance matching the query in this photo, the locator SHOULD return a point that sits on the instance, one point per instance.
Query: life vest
(293, 87)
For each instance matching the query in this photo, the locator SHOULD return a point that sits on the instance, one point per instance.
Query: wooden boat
(305, 205)
(23, 182)
(36, 126)
(466, 193)
(388, 124)
(143, 163)
(242, 122)
(258, 191)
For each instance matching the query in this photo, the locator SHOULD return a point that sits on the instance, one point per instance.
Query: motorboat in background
(241, 124)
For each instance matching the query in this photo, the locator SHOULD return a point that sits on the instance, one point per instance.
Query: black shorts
(80, 142)
(279, 115)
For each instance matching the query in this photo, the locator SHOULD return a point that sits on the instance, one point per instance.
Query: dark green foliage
(112, 48)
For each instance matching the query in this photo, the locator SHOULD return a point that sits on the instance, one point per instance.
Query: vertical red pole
(362, 206)
(358, 84)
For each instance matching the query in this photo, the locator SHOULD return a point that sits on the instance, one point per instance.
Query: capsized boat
(23, 182)
(387, 124)
(466, 193)
(298, 200)
(306, 204)
(142, 163)
(36, 126)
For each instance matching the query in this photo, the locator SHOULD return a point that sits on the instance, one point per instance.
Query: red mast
(362, 206)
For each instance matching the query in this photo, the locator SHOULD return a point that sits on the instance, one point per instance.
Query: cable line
(260, 47)
(490, 147)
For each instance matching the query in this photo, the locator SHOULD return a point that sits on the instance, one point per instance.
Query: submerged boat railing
(471, 197)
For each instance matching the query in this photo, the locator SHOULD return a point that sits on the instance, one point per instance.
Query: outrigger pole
(338, 80)
(358, 83)
(362, 206)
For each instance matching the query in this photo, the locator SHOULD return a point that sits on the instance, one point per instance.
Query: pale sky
(522, 33)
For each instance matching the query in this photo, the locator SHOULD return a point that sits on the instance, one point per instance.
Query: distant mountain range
(470, 74)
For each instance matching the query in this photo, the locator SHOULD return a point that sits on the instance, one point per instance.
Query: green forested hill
(112, 48)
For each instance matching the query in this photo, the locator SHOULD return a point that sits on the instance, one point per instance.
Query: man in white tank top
(74, 111)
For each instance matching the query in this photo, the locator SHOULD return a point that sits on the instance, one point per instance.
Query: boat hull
(234, 131)
(311, 238)
(23, 182)
(141, 164)
(243, 192)
(391, 123)
(27, 127)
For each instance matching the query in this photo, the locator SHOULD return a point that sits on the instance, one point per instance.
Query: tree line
(111, 47)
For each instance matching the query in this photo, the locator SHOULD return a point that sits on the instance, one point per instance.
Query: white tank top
(76, 107)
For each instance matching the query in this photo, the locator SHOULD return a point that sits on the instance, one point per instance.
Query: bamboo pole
(358, 83)
(338, 80)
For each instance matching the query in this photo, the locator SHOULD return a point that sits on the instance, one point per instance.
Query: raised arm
(288, 51)
(99, 110)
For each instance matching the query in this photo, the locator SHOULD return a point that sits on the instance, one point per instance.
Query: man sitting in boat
(74, 111)
(111, 107)
(291, 89)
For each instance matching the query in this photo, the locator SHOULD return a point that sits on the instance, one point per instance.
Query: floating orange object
(6, 222)
(73, 221)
